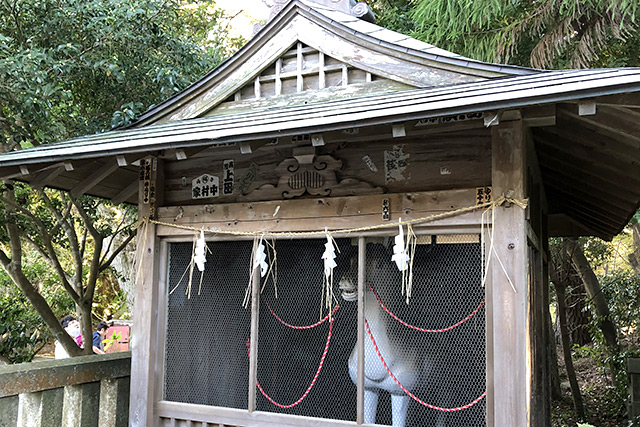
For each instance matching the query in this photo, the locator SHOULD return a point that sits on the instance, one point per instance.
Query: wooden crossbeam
(126, 193)
(95, 178)
(45, 177)
(9, 173)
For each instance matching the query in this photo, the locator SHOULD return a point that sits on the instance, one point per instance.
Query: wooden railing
(80, 391)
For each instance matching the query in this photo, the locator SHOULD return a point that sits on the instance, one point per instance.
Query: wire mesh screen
(293, 377)
(206, 355)
(435, 345)
(432, 348)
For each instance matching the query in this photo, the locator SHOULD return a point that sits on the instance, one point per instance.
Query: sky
(251, 10)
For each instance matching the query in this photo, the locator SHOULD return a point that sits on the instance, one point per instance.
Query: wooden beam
(611, 125)
(508, 362)
(122, 161)
(24, 170)
(95, 178)
(336, 212)
(9, 173)
(126, 193)
(44, 178)
(68, 166)
(627, 100)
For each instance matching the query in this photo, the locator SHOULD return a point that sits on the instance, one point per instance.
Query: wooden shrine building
(325, 121)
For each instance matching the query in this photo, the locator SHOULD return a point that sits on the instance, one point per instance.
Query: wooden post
(144, 330)
(539, 292)
(362, 250)
(253, 345)
(508, 352)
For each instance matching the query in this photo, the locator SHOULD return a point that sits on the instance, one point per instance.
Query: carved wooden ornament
(308, 174)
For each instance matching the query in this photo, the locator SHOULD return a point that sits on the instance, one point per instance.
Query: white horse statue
(401, 361)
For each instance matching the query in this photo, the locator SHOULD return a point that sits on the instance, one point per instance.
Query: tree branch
(115, 253)
(17, 251)
(69, 230)
(118, 230)
(94, 269)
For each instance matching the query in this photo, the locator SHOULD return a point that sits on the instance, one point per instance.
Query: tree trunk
(594, 292)
(566, 349)
(552, 354)
(83, 311)
(578, 318)
(634, 257)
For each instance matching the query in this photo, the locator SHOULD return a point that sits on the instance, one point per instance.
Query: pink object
(119, 344)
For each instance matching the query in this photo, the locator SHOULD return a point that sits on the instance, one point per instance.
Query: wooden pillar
(362, 262)
(253, 343)
(145, 312)
(508, 363)
(539, 293)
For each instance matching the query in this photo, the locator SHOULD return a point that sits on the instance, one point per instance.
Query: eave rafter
(620, 130)
(569, 146)
(584, 213)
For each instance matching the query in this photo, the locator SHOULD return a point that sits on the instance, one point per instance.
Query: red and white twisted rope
(411, 395)
(302, 327)
(473, 313)
(324, 354)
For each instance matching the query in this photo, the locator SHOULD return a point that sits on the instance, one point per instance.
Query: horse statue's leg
(370, 405)
(399, 407)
